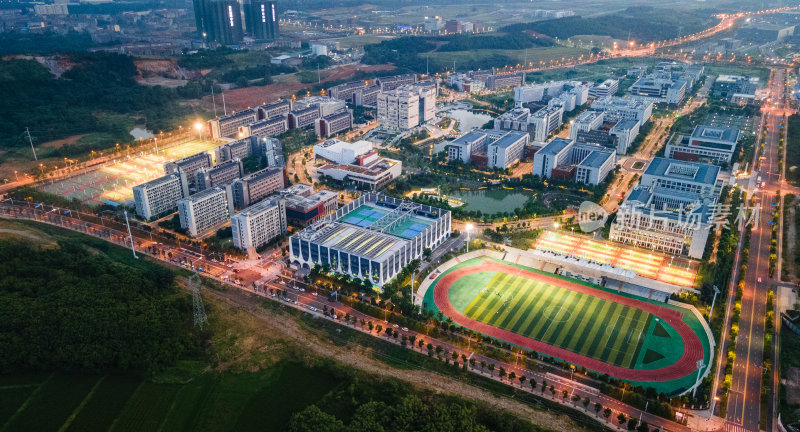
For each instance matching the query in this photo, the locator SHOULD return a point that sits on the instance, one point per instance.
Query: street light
(199, 127)
(469, 231)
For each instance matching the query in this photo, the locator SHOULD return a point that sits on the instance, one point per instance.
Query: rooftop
(509, 139)
(714, 133)
(596, 159)
(680, 170)
(556, 146)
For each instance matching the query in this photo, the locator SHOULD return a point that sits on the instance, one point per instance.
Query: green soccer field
(584, 324)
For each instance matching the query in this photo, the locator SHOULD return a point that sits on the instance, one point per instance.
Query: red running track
(692, 352)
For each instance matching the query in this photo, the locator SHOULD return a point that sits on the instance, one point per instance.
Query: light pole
(199, 127)
(469, 231)
(711, 312)
(125, 212)
(700, 365)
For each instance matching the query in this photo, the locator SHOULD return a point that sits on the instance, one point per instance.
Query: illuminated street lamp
(199, 127)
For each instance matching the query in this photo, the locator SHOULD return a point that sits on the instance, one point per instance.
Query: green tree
(621, 418)
(313, 419)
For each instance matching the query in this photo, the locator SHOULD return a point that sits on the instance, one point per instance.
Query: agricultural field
(646, 342)
(206, 402)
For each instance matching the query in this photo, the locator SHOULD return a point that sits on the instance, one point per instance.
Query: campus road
(744, 406)
(305, 298)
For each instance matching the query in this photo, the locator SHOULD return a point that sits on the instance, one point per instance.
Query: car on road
(312, 308)
(404, 329)
(758, 280)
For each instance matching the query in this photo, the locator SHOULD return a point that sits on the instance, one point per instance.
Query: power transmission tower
(199, 310)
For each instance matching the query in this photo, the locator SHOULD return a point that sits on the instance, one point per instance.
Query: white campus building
(373, 237)
(203, 211)
(671, 209)
(706, 144)
(565, 159)
(256, 225)
(160, 196)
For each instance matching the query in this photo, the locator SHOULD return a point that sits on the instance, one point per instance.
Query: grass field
(603, 327)
(587, 325)
(113, 181)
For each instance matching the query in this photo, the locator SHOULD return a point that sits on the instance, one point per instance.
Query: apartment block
(228, 126)
(257, 186)
(333, 124)
(219, 175)
(367, 96)
(256, 225)
(159, 197)
(206, 210)
(303, 118)
(189, 166)
(269, 127)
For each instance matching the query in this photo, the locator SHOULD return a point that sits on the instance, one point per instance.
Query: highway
(744, 408)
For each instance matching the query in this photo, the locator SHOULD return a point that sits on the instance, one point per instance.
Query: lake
(491, 201)
(467, 120)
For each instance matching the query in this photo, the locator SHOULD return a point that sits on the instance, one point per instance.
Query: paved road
(744, 407)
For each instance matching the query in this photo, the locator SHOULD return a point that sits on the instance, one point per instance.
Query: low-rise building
(368, 172)
(304, 206)
(303, 118)
(501, 81)
(341, 152)
(239, 149)
(661, 88)
(623, 134)
(607, 88)
(705, 144)
(347, 91)
(586, 121)
(373, 237)
(507, 150)
(727, 87)
(279, 108)
(160, 196)
(463, 147)
(621, 108)
(565, 159)
(258, 224)
(206, 210)
(392, 82)
(367, 96)
(256, 186)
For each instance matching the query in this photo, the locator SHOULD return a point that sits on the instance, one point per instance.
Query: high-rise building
(261, 19)
(227, 21)
(256, 186)
(256, 225)
(203, 211)
(189, 166)
(158, 197)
